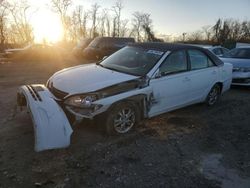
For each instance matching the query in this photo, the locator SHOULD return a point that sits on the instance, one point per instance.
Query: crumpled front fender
(51, 126)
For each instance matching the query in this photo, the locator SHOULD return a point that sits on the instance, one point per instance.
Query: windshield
(132, 60)
(243, 53)
(95, 42)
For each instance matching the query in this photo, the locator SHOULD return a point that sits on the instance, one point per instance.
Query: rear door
(171, 84)
(203, 74)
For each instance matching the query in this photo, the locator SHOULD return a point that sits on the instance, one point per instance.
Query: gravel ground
(197, 146)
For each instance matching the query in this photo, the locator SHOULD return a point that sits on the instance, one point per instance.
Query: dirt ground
(197, 146)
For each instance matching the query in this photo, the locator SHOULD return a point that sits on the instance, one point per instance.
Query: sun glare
(47, 27)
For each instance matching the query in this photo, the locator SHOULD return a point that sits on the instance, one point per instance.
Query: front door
(170, 86)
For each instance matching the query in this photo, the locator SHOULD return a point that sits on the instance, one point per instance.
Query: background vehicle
(240, 59)
(81, 45)
(105, 46)
(218, 50)
(139, 81)
(36, 52)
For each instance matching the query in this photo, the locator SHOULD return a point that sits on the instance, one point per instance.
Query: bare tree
(195, 37)
(117, 8)
(235, 30)
(85, 16)
(103, 19)
(21, 26)
(124, 28)
(207, 30)
(114, 27)
(79, 23)
(216, 29)
(231, 30)
(3, 10)
(137, 26)
(61, 7)
(147, 27)
(142, 27)
(245, 31)
(94, 11)
(108, 26)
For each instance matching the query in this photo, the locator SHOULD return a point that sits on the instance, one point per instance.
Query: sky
(171, 17)
(178, 16)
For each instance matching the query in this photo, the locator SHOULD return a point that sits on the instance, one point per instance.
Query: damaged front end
(51, 126)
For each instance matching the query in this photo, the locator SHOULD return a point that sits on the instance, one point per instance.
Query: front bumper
(241, 78)
(51, 126)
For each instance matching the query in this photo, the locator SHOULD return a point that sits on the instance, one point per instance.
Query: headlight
(49, 83)
(246, 69)
(241, 69)
(81, 101)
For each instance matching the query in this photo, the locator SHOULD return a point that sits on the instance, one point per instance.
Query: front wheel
(213, 95)
(121, 118)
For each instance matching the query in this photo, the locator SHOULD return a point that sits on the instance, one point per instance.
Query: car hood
(237, 62)
(87, 78)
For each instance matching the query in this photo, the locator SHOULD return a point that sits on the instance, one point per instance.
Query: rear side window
(106, 44)
(199, 60)
(176, 62)
(217, 51)
(224, 50)
(95, 43)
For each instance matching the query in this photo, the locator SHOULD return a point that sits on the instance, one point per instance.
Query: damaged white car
(139, 81)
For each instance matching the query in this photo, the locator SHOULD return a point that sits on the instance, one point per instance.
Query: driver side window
(176, 62)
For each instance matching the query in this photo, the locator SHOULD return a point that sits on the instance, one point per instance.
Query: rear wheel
(121, 118)
(213, 95)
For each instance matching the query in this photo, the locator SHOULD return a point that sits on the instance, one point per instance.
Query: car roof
(114, 39)
(162, 46)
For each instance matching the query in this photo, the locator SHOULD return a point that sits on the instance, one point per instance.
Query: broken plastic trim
(116, 89)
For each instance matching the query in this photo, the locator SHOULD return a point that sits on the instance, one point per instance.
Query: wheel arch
(220, 84)
(139, 101)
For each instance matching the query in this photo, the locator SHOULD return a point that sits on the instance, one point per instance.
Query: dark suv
(105, 46)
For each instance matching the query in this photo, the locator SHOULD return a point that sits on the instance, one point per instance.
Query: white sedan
(139, 81)
(240, 59)
(218, 50)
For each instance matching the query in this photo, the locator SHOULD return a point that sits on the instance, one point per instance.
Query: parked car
(218, 50)
(81, 45)
(105, 46)
(240, 59)
(139, 81)
(36, 52)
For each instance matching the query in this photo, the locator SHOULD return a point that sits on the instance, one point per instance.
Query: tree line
(222, 32)
(79, 22)
(76, 21)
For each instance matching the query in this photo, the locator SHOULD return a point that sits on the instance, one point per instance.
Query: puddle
(212, 168)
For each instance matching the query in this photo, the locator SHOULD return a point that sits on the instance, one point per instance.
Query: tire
(121, 119)
(213, 95)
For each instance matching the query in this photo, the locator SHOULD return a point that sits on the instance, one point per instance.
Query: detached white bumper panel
(51, 126)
